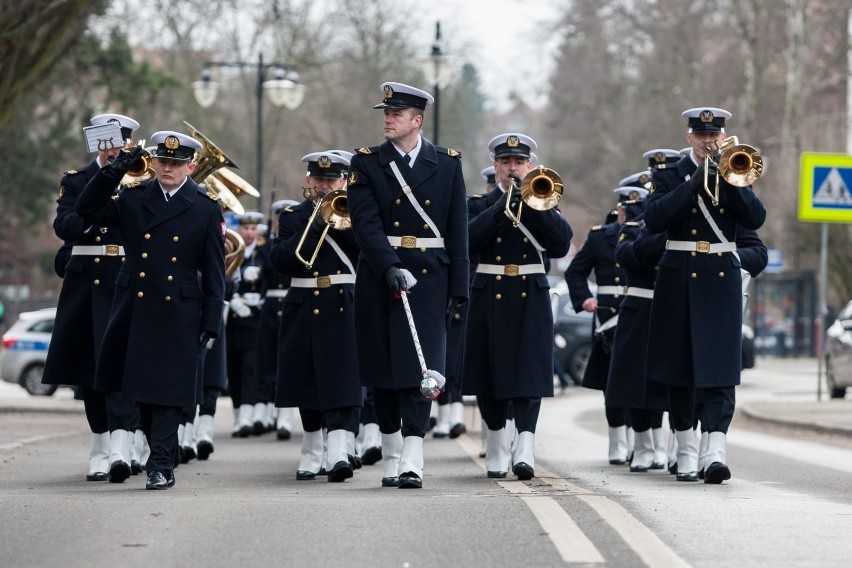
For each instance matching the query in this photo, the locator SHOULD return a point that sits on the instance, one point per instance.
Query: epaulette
(448, 151)
(288, 209)
(210, 195)
(596, 228)
(132, 184)
(365, 150)
(478, 196)
(650, 187)
(72, 172)
(632, 224)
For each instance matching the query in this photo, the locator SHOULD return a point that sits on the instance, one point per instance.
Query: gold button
(694, 275)
(97, 259)
(341, 310)
(425, 226)
(147, 235)
(498, 296)
(524, 256)
(722, 210)
(279, 313)
(693, 232)
(721, 275)
(396, 223)
(122, 259)
(140, 294)
(398, 201)
(97, 282)
(718, 254)
(526, 240)
(457, 316)
(144, 255)
(498, 258)
(174, 259)
(424, 272)
(338, 272)
(316, 312)
(524, 277)
(316, 273)
(175, 238)
(340, 291)
(499, 239)
(422, 249)
(694, 210)
(168, 298)
(428, 202)
(170, 277)
(617, 279)
(523, 294)
(613, 310)
(693, 253)
(616, 264)
(97, 239)
(395, 248)
(316, 292)
(499, 277)
(658, 266)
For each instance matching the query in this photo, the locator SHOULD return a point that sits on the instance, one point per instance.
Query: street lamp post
(283, 90)
(438, 71)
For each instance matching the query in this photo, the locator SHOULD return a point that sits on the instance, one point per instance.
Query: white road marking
(573, 546)
(34, 439)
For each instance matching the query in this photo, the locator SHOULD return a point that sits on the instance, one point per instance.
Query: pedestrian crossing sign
(825, 188)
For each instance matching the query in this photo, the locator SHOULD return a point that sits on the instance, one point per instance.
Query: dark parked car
(838, 353)
(572, 334)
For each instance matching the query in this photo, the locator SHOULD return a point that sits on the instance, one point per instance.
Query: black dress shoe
(187, 454)
(119, 471)
(341, 471)
(283, 434)
(497, 474)
(302, 475)
(205, 448)
(156, 480)
(432, 422)
(691, 476)
(523, 470)
(245, 432)
(717, 473)
(136, 467)
(457, 430)
(390, 482)
(617, 462)
(673, 468)
(170, 479)
(440, 435)
(354, 461)
(371, 456)
(97, 476)
(657, 465)
(259, 428)
(701, 474)
(410, 480)
(322, 471)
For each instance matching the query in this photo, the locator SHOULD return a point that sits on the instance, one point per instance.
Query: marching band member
(698, 298)
(407, 201)
(169, 291)
(317, 370)
(509, 357)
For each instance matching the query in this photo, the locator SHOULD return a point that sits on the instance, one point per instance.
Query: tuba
(235, 249)
(739, 165)
(333, 208)
(541, 189)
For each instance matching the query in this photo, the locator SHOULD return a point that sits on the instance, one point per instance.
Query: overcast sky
(509, 41)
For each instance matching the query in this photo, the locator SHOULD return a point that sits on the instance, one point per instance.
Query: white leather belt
(640, 292)
(322, 281)
(510, 269)
(279, 293)
(410, 242)
(701, 246)
(97, 250)
(611, 290)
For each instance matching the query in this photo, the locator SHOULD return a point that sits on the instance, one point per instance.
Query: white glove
(252, 299)
(239, 307)
(251, 273)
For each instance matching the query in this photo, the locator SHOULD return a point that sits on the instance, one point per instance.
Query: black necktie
(407, 159)
(167, 195)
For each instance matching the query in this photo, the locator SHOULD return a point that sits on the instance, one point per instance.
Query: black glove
(696, 182)
(498, 208)
(203, 339)
(124, 161)
(318, 225)
(395, 280)
(452, 305)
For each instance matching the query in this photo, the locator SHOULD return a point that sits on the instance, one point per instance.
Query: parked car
(748, 359)
(25, 350)
(572, 333)
(838, 353)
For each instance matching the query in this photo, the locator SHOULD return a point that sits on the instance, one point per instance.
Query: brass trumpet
(541, 189)
(142, 169)
(333, 208)
(739, 165)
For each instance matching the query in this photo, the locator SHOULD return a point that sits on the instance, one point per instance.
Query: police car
(25, 350)
(838, 353)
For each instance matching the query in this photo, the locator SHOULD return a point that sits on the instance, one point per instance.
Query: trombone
(738, 164)
(541, 189)
(333, 208)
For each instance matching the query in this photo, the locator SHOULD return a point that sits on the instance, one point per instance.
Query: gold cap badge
(512, 141)
(706, 116)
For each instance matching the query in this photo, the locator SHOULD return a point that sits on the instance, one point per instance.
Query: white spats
(643, 451)
(617, 445)
(391, 453)
(497, 454)
(411, 459)
(310, 454)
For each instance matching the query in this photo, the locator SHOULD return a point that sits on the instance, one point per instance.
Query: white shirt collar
(413, 152)
(694, 159)
(172, 192)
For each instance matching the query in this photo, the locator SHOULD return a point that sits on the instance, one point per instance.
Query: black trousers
(617, 416)
(405, 407)
(368, 410)
(495, 412)
(716, 409)
(94, 402)
(343, 418)
(122, 413)
(160, 424)
(208, 401)
(242, 376)
(452, 392)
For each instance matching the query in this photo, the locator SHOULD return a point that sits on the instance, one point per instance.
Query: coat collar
(685, 167)
(425, 165)
(162, 211)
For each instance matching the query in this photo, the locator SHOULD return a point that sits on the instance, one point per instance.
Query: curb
(818, 427)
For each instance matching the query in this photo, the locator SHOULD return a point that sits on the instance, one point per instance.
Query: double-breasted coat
(87, 288)
(696, 315)
(637, 252)
(379, 208)
(597, 254)
(317, 366)
(509, 341)
(269, 323)
(169, 290)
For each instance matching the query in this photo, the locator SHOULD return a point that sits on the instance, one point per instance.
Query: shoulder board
(288, 209)
(116, 196)
(596, 228)
(478, 196)
(72, 172)
(631, 224)
(132, 184)
(210, 195)
(366, 150)
(448, 151)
